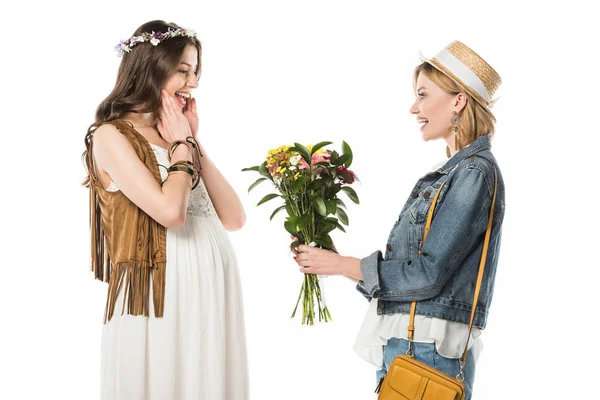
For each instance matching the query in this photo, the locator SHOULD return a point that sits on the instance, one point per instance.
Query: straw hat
(469, 71)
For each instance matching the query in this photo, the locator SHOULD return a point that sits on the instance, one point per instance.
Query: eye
(183, 71)
(421, 95)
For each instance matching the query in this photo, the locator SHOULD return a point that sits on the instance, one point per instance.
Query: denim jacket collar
(480, 144)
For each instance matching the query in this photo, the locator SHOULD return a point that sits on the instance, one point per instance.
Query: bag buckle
(410, 351)
(461, 374)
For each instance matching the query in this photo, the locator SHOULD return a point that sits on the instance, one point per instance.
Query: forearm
(177, 188)
(351, 268)
(224, 198)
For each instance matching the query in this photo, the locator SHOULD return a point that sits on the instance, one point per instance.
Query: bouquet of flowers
(309, 179)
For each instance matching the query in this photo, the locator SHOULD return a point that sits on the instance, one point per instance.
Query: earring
(454, 121)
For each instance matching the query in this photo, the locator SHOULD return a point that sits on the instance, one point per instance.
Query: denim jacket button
(381, 305)
(426, 194)
(388, 247)
(415, 195)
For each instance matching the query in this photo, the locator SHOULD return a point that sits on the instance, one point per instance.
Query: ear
(459, 102)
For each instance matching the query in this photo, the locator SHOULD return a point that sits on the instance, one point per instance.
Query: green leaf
(340, 203)
(255, 168)
(331, 206)
(333, 190)
(303, 151)
(325, 241)
(320, 205)
(347, 150)
(351, 194)
(316, 184)
(334, 156)
(276, 211)
(295, 244)
(318, 146)
(267, 198)
(303, 222)
(342, 215)
(340, 227)
(300, 182)
(290, 227)
(262, 169)
(336, 223)
(345, 176)
(259, 180)
(327, 227)
(289, 209)
(342, 159)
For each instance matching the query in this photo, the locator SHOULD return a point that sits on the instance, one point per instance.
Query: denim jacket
(442, 279)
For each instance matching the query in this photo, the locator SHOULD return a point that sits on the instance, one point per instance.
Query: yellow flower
(297, 175)
(310, 147)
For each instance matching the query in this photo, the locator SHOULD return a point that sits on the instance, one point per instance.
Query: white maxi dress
(198, 349)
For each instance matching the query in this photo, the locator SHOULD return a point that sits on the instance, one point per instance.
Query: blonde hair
(473, 121)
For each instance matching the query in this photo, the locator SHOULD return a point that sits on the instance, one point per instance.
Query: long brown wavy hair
(141, 76)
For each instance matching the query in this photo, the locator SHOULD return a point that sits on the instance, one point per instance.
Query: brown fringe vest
(128, 246)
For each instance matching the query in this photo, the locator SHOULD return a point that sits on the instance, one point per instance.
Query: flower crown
(154, 37)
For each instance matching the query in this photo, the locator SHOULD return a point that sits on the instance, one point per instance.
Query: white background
(275, 72)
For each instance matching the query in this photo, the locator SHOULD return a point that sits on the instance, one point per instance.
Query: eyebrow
(188, 64)
(421, 88)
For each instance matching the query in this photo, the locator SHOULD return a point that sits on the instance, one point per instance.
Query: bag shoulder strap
(411, 325)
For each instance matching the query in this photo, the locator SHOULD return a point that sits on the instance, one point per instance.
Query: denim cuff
(370, 273)
(360, 286)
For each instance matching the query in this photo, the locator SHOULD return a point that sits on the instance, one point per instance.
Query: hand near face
(191, 113)
(172, 125)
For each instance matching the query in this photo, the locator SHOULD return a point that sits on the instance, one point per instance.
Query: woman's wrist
(351, 267)
(181, 152)
(185, 176)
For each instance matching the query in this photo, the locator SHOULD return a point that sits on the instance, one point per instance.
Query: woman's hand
(191, 113)
(319, 261)
(172, 125)
(313, 260)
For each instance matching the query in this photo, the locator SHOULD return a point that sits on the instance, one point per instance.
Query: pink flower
(319, 158)
(302, 164)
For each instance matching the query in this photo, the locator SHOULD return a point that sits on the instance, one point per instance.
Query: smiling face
(433, 108)
(180, 83)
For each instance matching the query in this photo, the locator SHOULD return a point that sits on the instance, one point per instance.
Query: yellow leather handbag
(409, 379)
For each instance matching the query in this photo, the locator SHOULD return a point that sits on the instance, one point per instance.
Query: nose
(193, 81)
(414, 109)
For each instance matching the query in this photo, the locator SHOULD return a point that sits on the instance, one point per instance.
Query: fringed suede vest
(128, 246)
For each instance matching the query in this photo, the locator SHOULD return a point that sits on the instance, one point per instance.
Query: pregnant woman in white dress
(179, 336)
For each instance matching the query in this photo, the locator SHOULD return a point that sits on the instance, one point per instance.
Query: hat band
(462, 72)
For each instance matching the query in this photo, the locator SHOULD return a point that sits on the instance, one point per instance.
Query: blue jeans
(426, 353)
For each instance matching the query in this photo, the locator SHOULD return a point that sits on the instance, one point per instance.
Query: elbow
(172, 218)
(235, 225)
(413, 293)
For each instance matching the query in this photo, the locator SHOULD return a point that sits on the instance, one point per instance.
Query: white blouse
(449, 336)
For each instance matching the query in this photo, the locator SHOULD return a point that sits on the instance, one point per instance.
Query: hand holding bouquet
(309, 179)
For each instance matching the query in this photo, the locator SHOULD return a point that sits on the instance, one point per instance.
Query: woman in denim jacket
(453, 99)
